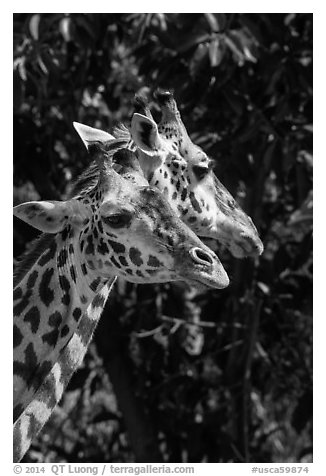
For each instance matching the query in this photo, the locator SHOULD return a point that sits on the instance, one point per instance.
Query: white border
(319, 466)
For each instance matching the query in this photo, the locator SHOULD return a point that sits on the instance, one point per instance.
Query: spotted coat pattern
(59, 279)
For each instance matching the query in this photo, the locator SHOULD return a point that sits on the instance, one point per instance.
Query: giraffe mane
(88, 180)
(31, 255)
(122, 133)
(85, 182)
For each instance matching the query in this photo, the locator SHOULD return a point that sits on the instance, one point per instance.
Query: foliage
(233, 381)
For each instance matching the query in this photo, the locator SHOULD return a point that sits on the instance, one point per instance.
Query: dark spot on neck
(23, 303)
(65, 233)
(32, 279)
(46, 293)
(34, 318)
(77, 312)
(73, 273)
(65, 286)
(94, 284)
(17, 293)
(62, 258)
(51, 338)
(18, 336)
(64, 331)
(26, 368)
(55, 319)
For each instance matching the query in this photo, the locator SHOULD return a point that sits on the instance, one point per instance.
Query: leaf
(42, 65)
(34, 26)
(212, 21)
(216, 21)
(242, 44)
(305, 213)
(263, 287)
(50, 62)
(236, 48)
(198, 58)
(215, 52)
(20, 65)
(65, 28)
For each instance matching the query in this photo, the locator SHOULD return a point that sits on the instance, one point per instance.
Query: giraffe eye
(201, 171)
(119, 220)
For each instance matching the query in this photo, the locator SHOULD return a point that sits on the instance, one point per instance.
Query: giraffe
(115, 225)
(183, 172)
(215, 214)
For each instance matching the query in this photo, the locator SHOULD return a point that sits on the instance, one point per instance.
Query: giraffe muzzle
(207, 269)
(249, 245)
(201, 256)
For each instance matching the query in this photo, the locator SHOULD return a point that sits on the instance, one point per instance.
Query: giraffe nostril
(201, 256)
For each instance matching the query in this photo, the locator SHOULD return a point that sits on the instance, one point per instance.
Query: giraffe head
(121, 226)
(183, 171)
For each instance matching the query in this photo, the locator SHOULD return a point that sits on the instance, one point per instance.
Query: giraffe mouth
(207, 283)
(247, 247)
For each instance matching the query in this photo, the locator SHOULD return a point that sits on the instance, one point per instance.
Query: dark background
(224, 376)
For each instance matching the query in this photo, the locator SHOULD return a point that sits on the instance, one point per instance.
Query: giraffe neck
(49, 301)
(41, 406)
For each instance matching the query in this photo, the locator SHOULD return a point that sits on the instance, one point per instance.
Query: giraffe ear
(89, 135)
(53, 216)
(145, 134)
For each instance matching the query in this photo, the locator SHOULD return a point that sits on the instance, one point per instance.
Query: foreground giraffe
(115, 225)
